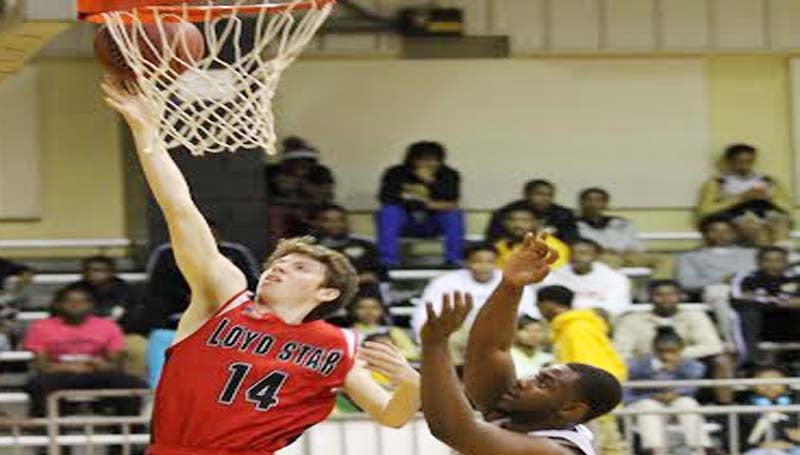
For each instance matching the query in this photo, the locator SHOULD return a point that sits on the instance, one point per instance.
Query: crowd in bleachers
(104, 333)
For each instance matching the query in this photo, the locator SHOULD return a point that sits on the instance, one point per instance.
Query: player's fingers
(552, 255)
(113, 103)
(382, 365)
(382, 347)
(431, 314)
(380, 370)
(446, 307)
(529, 241)
(371, 353)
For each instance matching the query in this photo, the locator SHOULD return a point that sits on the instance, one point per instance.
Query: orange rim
(191, 13)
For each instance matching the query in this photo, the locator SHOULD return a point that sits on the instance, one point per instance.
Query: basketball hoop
(217, 103)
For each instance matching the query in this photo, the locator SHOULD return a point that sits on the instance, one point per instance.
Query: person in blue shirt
(666, 363)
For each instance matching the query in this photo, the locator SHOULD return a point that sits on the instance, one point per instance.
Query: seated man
(517, 222)
(15, 281)
(617, 236)
(553, 218)
(717, 261)
(331, 228)
(635, 331)
(116, 299)
(76, 350)
(595, 284)
(419, 198)
(538, 415)
(294, 186)
(479, 278)
(758, 204)
(767, 301)
(667, 363)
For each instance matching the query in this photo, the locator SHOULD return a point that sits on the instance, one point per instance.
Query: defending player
(542, 415)
(248, 374)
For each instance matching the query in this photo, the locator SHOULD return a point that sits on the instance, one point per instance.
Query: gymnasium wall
(82, 184)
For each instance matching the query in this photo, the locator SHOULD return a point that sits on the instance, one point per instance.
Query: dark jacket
(397, 180)
(557, 217)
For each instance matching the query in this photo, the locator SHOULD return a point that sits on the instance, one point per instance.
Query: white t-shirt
(603, 287)
(462, 281)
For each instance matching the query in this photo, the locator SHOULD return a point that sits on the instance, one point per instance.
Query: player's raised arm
(212, 278)
(447, 411)
(488, 370)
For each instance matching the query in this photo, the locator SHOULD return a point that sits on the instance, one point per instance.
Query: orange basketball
(184, 37)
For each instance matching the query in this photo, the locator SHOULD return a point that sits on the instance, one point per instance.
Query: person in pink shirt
(75, 350)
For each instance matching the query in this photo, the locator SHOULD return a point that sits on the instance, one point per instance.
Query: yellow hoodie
(582, 336)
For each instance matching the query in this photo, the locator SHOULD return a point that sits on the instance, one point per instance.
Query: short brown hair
(339, 272)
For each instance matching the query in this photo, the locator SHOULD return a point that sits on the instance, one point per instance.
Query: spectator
(516, 223)
(479, 277)
(15, 281)
(666, 363)
(76, 350)
(331, 227)
(538, 195)
(635, 332)
(768, 300)
(294, 186)
(582, 336)
(595, 284)
(116, 299)
(419, 198)
(757, 204)
(717, 261)
(528, 352)
(770, 433)
(168, 291)
(368, 317)
(617, 236)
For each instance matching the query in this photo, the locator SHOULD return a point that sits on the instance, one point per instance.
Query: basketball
(185, 38)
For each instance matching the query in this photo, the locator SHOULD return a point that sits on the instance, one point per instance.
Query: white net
(223, 101)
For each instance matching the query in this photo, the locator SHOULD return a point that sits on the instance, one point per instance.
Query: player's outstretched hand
(531, 262)
(125, 98)
(387, 360)
(437, 329)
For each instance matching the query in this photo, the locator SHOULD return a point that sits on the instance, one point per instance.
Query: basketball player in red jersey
(541, 415)
(247, 374)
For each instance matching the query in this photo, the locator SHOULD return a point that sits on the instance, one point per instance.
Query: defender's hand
(437, 329)
(531, 262)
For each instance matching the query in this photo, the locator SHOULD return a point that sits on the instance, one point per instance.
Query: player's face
(368, 311)
(333, 223)
(742, 163)
(541, 396)
(293, 278)
(530, 335)
(593, 204)
(481, 265)
(720, 234)
(665, 300)
(519, 223)
(773, 263)
(541, 197)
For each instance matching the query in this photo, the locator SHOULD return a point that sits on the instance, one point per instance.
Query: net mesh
(223, 101)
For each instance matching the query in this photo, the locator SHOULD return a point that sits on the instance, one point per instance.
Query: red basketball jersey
(248, 384)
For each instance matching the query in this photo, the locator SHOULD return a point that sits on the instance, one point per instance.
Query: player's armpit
(483, 438)
(389, 409)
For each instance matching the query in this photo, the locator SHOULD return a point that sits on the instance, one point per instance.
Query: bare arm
(393, 409)
(489, 370)
(447, 411)
(211, 277)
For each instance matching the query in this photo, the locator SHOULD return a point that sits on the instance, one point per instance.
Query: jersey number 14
(264, 393)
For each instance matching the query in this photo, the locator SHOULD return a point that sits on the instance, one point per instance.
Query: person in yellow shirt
(518, 222)
(368, 317)
(583, 336)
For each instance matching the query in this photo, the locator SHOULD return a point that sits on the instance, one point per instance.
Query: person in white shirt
(480, 277)
(528, 352)
(595, 284)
